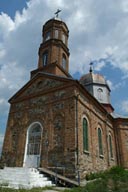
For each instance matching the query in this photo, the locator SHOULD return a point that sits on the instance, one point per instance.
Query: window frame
(64, 38)
(100, 93)
(100, 142)
(56, 33)
(64, 61)
(85, 135)
(110, 146)
(34, 140)
(47, 35)
(45, 58)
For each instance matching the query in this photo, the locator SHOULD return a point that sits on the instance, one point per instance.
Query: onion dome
(97, 86)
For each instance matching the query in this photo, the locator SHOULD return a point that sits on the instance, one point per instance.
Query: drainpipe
(117, 142)
(77, 143)
(107, 139)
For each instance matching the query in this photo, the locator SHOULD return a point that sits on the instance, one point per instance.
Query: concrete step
(19, 177)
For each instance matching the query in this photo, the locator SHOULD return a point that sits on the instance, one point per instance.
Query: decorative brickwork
(56, 103)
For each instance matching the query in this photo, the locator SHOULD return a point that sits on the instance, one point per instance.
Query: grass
(114, 180)
(24, 190)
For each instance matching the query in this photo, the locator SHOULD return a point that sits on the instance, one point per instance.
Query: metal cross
(91, 64)
(57, 12)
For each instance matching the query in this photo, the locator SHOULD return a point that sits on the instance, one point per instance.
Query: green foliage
(113, 180)
(93, 176)
(25, 190)
(116, 173)
(97, 186)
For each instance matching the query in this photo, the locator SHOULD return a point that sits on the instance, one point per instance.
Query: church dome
(92, 78)
(97, 86)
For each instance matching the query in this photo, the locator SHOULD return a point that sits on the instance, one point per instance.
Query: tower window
(85, 135)
(56, 34)
(100, 142)
(100, 94)
(45, 58)
(63, 38)
(47, 36)
(64, 61)
(110, 146)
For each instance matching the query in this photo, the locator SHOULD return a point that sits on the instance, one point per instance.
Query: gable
(39, 85)
(42, 85)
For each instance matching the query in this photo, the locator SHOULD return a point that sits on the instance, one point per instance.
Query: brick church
(60, 123)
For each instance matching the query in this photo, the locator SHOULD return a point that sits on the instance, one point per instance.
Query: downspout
(117, 140)
(77, 140)
(117, 147)
(107, 140)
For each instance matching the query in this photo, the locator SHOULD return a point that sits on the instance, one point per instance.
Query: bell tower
(53, 51)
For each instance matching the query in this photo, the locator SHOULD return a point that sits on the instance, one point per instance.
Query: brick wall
(61, 112)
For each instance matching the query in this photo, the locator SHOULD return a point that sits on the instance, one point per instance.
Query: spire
(91, 70)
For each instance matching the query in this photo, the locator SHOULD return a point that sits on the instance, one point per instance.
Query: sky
(98, 33)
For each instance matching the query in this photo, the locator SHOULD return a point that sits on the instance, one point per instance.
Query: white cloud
(124, 106)
(110, 84)
(125, 5)
(98, 30)
(2, 53)
(99, 65)
(6, 23)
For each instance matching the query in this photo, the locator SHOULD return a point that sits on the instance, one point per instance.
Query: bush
(93, 176)
(97, 186)
(115, 179)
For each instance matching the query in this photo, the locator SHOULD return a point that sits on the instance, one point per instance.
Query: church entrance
(33, 146)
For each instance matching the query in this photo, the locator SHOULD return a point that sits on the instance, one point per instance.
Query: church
(61, 124)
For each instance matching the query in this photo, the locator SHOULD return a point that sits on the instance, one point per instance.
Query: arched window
(85, 135)
(100, 141)
(48, 35)
(100, 94)
(63, 38)
(45, 58)
(56, 34)
(110, 146)
(34, 140)
(64, 61)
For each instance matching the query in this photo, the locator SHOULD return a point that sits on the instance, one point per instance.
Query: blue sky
(98, 32)
(11, 6)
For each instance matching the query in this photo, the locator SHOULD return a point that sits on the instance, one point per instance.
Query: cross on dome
(91, 64)
(57, 12)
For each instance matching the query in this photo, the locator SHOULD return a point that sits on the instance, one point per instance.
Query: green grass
(24, 190)
(114, 180)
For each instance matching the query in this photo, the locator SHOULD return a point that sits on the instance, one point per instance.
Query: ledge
(101, 156)
(86, 152)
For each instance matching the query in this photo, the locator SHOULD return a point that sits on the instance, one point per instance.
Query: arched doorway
(33, 146)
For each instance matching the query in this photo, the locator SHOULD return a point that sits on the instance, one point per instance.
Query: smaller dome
(97, 86)
(92, 78)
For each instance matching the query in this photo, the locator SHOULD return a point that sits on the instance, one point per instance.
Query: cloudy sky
(98, 33)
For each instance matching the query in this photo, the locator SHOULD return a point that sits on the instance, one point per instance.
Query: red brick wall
(59, 111)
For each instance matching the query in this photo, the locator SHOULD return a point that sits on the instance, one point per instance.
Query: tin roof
(92, 78)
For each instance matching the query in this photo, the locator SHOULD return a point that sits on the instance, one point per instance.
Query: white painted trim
(26, 145)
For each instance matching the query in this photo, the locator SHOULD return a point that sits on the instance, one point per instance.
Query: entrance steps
(58, 179)
(20, 177)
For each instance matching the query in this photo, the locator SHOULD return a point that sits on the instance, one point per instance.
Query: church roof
(115, 115)
(92, 78)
